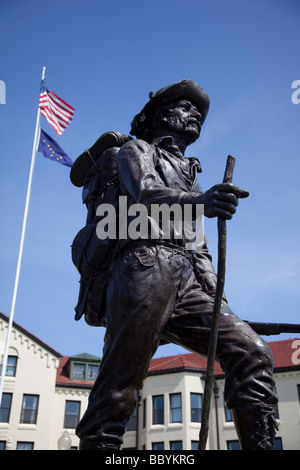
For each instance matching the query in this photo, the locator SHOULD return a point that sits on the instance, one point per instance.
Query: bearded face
(183, 118)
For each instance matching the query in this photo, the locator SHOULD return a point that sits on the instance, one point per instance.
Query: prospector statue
(155, 289)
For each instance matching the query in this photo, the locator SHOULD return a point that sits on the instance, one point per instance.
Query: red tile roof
(189, 361)
(285, 355)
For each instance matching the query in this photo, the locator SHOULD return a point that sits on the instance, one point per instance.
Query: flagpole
(10, 323)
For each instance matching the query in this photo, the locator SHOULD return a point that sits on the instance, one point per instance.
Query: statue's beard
(190, 128)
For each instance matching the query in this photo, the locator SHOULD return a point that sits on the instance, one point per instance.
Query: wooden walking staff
(212, 347)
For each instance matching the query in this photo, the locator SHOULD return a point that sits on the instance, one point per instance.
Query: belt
(162, 244)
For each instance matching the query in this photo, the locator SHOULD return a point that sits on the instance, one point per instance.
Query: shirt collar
(167, 143)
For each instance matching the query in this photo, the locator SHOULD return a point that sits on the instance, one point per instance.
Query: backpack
(96, 172)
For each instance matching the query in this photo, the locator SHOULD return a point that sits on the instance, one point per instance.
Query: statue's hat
(187, 89)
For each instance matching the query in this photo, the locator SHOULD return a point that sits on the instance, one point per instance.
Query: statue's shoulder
(136, 147)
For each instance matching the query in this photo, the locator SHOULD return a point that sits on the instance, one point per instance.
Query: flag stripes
(58, 113)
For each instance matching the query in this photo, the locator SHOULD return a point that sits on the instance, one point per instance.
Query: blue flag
(50, 149)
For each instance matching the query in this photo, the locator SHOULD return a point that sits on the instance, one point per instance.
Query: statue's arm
(137, 173)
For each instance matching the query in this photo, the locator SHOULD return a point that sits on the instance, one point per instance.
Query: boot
(93, 444)
(255, 425)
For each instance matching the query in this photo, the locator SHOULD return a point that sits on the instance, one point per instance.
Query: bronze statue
(152, 289)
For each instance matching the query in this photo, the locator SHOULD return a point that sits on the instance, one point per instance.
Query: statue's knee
(259, 349)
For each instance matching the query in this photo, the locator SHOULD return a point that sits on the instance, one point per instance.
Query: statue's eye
(185, 106)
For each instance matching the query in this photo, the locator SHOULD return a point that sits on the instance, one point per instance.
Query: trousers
(154, 294)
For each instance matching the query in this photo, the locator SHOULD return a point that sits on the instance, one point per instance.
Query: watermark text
(296, 353)
(296, 94)
(2, 92)
(157, 222)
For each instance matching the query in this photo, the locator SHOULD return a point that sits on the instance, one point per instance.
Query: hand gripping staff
(216, 314)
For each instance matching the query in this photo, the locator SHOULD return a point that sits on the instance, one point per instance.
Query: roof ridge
(32, 336)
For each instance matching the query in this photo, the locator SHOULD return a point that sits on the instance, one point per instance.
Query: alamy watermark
(157, 222)
(296, 94)
(2, 92)
(296, 353)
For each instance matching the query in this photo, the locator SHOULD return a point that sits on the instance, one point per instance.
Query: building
(26, 417)
(46, 393)
(169, 414)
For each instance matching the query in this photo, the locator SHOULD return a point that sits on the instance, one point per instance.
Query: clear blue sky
(103, 57)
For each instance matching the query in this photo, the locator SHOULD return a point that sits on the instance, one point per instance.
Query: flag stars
(52, 154)
(50, 149)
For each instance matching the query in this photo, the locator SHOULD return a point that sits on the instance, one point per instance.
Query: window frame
(8, 408)
(14, 367)
(79, 374)
(174, 444)
(132, 422)
(33, 410)
(158, 414)
(25, 443)
(144, 413)
(174, 409)
(86, 367)
(159, 444)
(72, 415)
(199, 410)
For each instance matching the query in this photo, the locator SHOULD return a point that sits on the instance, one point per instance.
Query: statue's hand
(222, 200)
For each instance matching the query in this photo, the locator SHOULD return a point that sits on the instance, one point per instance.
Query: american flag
(58, 113)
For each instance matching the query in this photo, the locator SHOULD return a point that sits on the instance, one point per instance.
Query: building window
(72, 413)
(2, 445)
(194, 445)
(131, 425)
(79, 371)
(92, 371)
(29, 409)
(196, 407)
(144, 413)
(233, 445)
(24, 445)
(11, 366)
(228, 414)
(5, 407)
(175, 408)
(278, 443)
(158, 446)
(158, 409)
(84, 371)
(175, 445)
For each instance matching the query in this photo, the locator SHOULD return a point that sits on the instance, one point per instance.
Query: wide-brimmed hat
(187, 89)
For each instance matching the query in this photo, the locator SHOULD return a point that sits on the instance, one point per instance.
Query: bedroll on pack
(96, 172)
